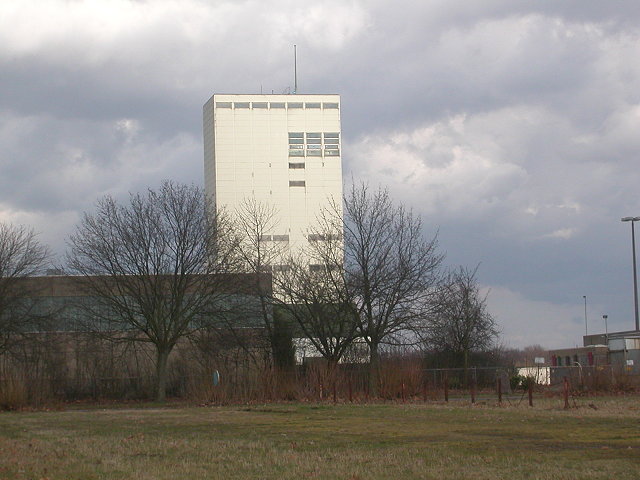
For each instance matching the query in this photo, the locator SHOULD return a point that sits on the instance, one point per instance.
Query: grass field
(326, 442)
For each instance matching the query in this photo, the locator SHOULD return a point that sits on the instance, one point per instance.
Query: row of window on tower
(286, 268)
(312, 237)
(314, 144)
(278, 105)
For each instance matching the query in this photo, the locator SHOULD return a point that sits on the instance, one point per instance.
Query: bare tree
(461, 323)
(390, 269)
(315, 298)
(21, 257)
(154, 268)
(261, 249)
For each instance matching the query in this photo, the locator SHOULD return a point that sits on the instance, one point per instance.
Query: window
(314, 142)
(294, 104)
(241, 104)
(296, 144)
(312, 105)
(277, 104)
(223, 104)
(259, 104)
(314, 267)
(281, 268)
(296, 165)
(318, 237)
(327, 105)
(331, 144)
(296, 183)
(281, 238)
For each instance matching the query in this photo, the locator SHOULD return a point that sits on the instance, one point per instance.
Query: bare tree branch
(155, 268)
(21, 257)
(261, 247)
(315, 298)
(461, 323)
(389, 270)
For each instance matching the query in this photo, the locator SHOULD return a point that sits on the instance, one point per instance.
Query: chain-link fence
(241, 378)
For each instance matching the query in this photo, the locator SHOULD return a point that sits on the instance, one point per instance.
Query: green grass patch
(326, 442)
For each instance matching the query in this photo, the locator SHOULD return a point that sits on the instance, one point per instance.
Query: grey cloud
(50, 164)
(530, 181)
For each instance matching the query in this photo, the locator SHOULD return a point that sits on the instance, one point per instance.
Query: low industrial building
(603, 358)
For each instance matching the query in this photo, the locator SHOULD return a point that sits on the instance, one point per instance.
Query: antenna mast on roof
(295, 69)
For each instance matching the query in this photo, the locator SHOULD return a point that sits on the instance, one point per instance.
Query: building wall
(585, 356)
(282, 150)
(64, 303)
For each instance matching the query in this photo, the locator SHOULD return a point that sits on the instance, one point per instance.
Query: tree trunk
(332, 377)
(465, 355)
(161, 374)
(374, 370)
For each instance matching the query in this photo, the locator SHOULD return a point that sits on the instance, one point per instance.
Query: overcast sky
(512, 127)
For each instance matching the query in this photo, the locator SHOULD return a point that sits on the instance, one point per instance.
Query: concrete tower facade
(282, 150)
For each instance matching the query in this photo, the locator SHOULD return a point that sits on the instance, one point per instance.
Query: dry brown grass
(443, 441)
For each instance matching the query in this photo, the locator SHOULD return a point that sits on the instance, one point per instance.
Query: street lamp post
(635, 275)
(586, 329)
(606, 330)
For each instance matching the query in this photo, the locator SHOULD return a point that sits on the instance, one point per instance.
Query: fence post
(402, 392)
(473, 390)
(350, 390)
(335, 393)
(530, 390)
(565, 392)
(446, 386)
(424, 390)
(499, 381)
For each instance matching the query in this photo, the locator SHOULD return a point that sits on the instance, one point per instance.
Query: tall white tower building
(282, 150)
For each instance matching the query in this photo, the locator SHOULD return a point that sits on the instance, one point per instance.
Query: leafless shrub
(13, 391)
(401, 377)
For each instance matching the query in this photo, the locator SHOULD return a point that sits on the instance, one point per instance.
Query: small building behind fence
(607, 357)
